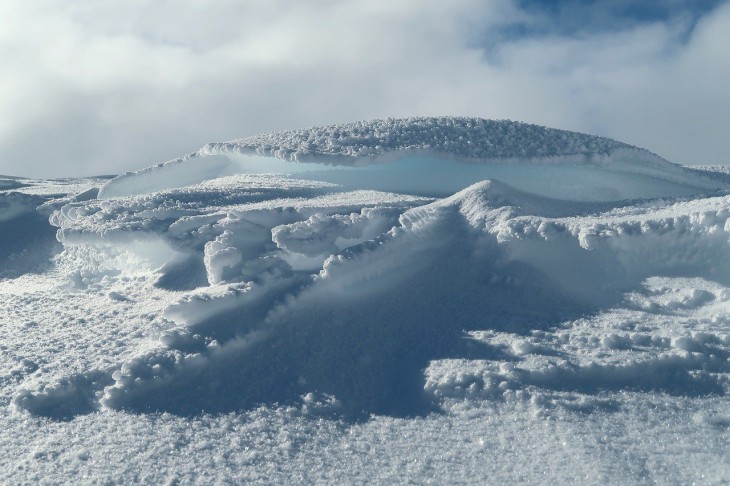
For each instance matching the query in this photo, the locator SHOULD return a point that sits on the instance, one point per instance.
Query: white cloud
(100, 87)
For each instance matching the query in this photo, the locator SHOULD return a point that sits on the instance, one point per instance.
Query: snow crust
(446, 299)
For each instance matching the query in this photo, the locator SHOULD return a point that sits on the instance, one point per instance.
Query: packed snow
(452, 300)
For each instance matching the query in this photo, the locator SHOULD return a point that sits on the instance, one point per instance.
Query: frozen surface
(447, 300)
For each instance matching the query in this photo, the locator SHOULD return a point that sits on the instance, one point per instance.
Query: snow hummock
(402, 300)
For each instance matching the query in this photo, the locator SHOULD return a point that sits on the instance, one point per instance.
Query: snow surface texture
(450, 299)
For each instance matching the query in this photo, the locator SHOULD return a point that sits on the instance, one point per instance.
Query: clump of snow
(220, 258)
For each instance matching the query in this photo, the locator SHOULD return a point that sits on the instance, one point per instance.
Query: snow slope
(446, 299)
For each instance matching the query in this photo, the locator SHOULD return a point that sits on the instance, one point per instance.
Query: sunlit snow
(411, 300)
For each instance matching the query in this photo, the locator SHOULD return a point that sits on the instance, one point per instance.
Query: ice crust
(526, 270)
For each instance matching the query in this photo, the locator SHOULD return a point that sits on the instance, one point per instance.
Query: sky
(91, 87)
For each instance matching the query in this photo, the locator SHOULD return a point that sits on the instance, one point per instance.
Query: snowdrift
(382, 267)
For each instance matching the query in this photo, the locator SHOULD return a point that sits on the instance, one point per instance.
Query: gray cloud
(101, 87)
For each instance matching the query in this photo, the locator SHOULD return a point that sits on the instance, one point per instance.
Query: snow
(456, 136)
(412, 154)
(430, 299)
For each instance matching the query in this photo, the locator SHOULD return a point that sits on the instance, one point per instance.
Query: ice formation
(393, 267)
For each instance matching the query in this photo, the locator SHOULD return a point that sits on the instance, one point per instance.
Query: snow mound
(435, 157)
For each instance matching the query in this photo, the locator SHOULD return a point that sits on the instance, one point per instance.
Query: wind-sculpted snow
(435, 157)
(586, 282)
(202, 226)
(352, 295)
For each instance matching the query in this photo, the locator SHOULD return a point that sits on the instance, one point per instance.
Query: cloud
(101, 87)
